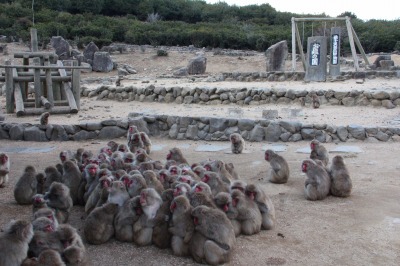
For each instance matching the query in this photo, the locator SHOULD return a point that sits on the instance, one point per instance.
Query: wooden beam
(9, 89)
(54, 110)
(49, 85)
(76, 79)
(319, 19)
(34, 54)
(45, 102)
(19, 101)
(358, 43)
(43, 78)
(351, 41)
(293, 45)
(67, 89)
(37, 82)
(29, 104)
(303, 60)
(44, 67)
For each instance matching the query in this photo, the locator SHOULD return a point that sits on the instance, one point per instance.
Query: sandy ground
(363, 229)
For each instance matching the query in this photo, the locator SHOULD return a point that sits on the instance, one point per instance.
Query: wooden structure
(56, 84)
(350, 31)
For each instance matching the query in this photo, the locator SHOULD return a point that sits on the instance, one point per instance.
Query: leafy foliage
(177, 22)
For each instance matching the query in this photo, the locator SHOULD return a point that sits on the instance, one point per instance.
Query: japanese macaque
(118, 193)
(75, 256)
(72, 178)
(50, 257)
(85, 158)
(38, 202)
(42, 241)
(141, 156)
(231, 169)
(264, 203)
(25, 188)
(99, 225)
(279, 172)
(152, 181)
(176, 155)
(129, 158)
(237, 143)
(215, 182)
(161, 236)
(181, 226)
(214, 237)
(43, 224)
(126, 217)
(186, 179)
(100, 195)
(44, 119)
(223, 200)
(135, 185)
(223, 172)
(113, 147)
(69, 236)
(40, 179)
(52, 175)
(66, 155)
(341, 184)
(146, 142)
(319, 152)
(199, 170)
(132, 130)
(181, 189)
(47, 213)
(187, 170)
(201, 195)
(165, 178)
(123, 148)
(174, 170)
(238, 184)
(248, 213)
(135, 142)
(150, 202)
(14, 242)
(318, 182)
(315, 101)
(4, 169)
(58, 198)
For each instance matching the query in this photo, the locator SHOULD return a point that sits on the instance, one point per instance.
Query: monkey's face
(205, 178)
(162, 177)
(3, 158)
(207, 167)
(184, 179)
(198, 189)
(63, 157)
(93, 170)
(143, 199)
(233, 139)
(169, 155)
(128, 160)
(38, 200)
(173, 170)
(313, 145)
(267, 156)
(105, 183)
(251, 194)
(235, 201)
(173, 206)
(304, 167)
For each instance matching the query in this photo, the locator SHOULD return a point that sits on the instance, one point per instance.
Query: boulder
(61, 47)
(102, 62)
(90, 50)
(276, 56)
(197, 65)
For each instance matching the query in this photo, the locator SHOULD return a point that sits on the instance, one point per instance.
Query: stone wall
(243, 96)
(198, 128)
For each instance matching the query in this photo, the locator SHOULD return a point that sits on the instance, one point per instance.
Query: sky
(365, 10)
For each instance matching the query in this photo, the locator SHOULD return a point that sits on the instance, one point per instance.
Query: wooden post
(34, 41)
(293, 45)
(67, 89)
(351, 41)
(37, 82)
(76, 78)
(359, 45)
(49, 84)
(303, 60)
(19, 101)
(25, 85)
(45, 102)
(9, 89)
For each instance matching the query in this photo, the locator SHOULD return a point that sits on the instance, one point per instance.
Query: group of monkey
(196, 210)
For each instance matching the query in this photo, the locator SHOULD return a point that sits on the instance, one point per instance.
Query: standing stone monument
(276, 55)
(334, 64)
(316, 58)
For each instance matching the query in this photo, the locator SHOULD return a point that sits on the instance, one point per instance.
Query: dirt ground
(363, 229)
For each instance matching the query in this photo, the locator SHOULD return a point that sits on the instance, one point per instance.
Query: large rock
(111, 132)
(90, 50)
(273, 132)
(197, 65)
(33, 133)
(378, 60)
(276, 56)
(61, 46)
(102, 62)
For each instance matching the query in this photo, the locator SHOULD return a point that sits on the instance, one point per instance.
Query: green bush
(162, 52)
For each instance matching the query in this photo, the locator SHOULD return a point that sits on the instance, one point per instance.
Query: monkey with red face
(4, 169)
